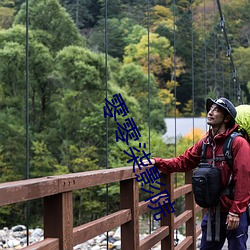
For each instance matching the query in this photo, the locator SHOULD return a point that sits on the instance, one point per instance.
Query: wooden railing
(59, 232)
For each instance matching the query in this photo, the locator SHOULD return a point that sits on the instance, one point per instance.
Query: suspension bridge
(56, 192)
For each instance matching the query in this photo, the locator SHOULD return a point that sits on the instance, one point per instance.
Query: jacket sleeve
(185, 162)
(241, 175)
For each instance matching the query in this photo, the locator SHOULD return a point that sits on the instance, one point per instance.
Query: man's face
(215, 116)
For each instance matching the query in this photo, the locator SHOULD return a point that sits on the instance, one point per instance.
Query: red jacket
(241, 167)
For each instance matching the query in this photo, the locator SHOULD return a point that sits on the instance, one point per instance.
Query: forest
(164, 58)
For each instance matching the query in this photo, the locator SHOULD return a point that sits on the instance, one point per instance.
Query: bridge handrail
(59, 233)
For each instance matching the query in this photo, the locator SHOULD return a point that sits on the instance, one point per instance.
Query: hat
(223, 103)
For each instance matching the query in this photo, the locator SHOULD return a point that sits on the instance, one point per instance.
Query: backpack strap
(227, 148)
(203, 152)
(227, 151)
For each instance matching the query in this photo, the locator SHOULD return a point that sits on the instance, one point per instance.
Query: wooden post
(190, 205)
(58, 219)
(129, 197)
(168, 242)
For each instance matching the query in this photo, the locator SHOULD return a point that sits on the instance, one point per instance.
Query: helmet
(223, 103)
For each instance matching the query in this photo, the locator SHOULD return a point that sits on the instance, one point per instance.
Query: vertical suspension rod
(27, 113)
(229, 52)
(106, 82)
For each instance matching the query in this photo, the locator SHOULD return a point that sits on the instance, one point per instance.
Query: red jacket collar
(221, 136)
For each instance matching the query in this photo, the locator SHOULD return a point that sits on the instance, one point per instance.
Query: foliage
(161, 16)
(242, 63)
(143, 89)
(6, 17)
(70, 77)
(53, 25)
(84, 13)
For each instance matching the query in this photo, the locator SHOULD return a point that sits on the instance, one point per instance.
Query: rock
(103, 243)
(38, 232)
(111, 240)
(100, 238)
(16, 238)
(91, 242)
(111, 233)
(80, 246)
(117, 235)
(3, 233)
(18, 228)
(117, 245)
(18, 247)
(18, 234)
(13, 243)
(95, 248)
(23, 240)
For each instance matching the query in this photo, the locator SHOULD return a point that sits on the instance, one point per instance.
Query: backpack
(243, 120)
(206, 179)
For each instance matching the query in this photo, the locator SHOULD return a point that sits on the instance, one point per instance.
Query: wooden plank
(168, 242)
(58, 219)
(190, 205)
(198, 231)
(129, 196)
(182, 218)
(94, 178)
(24, 190)
(185, 244)
(143, 205)
(90, 230)
(187, 188)
(154, 238)
(46, 244)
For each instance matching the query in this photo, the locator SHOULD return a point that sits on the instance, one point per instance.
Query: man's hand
(146, 162)
(232, 222)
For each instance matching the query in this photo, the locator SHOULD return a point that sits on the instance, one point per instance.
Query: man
(221, 115)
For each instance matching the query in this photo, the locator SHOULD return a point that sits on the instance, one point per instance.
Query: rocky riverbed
(16, 238)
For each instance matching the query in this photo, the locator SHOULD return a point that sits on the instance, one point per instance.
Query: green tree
(40, 60)
(135, 81)
(241, 56)
(53, 25)
(80, 99)
(117, 31)
(42, 163)
(84, 13)
(6, 17)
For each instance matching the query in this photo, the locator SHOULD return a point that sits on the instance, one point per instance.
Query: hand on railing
(146, 162)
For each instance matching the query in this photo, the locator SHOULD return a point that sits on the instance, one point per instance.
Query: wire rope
(205, 49)
(174, 76)
(148, 28)
(222, 68)
(192, 76)
(215, 52)
(236, 83)
(27, 207)
(77, 13)
(106, 82)
(175, 95)
(149, 123)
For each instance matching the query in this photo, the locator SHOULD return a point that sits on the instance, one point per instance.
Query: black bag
(206, 182)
